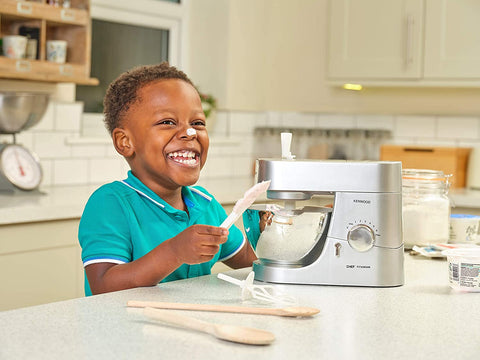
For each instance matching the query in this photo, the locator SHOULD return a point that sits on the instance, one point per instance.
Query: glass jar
(426, 207)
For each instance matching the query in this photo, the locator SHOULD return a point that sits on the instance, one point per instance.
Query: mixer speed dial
(361, 237)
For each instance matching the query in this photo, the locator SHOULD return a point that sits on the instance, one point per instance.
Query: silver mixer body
(361, 244)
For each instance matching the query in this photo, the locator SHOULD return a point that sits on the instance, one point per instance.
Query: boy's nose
(189, 133)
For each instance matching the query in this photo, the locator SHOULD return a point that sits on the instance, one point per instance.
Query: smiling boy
(155, 226)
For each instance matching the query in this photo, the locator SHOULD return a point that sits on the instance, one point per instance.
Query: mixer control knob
(361, 237)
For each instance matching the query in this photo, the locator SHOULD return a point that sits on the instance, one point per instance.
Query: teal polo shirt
(124, 220)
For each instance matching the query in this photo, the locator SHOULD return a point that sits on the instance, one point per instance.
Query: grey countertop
(424, 319)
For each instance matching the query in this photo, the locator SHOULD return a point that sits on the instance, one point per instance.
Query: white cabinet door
(452, 39)
(39, 263)
(375, 39)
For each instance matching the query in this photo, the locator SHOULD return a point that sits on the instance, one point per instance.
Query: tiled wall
(75, 148)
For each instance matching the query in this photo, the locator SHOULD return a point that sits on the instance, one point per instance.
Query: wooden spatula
(293, 311)
(239, 334)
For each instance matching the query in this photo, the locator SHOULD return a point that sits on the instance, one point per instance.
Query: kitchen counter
(67, 202)
(465, 198)
(422, 319)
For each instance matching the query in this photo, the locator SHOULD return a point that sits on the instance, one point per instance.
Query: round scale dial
(20, 167)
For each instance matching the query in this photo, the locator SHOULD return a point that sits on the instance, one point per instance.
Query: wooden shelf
(53, 23)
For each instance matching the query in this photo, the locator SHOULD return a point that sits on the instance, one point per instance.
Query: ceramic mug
(57, 51)
(14, 46)
(464, 229)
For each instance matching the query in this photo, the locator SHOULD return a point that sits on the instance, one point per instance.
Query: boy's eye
(198, 122)
(166, 122)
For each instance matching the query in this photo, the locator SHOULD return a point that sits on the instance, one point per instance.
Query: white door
(452, 39)
(375, 39)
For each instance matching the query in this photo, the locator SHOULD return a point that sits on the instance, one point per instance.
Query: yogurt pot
(464, 268)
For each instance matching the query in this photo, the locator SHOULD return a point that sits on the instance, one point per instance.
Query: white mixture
(426, 222)
(289, 242)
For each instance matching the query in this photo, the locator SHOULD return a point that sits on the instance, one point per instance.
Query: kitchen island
(424, 319)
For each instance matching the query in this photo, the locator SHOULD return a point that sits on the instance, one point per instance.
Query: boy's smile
(167, 139)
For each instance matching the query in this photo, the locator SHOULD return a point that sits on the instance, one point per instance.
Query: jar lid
(425, 178)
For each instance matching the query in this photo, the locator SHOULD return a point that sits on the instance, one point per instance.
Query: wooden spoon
(239, 334)
(293, 311)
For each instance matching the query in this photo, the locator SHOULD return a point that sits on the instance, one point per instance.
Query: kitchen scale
(20, 169)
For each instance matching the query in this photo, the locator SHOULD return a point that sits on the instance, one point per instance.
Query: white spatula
(242, 204)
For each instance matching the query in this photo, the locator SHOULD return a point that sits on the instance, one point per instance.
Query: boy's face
(163, 155)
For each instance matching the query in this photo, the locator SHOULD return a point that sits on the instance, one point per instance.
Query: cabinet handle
(66, 70)
(24, 8)
(67, 15)
(409, 48)
(23, 65)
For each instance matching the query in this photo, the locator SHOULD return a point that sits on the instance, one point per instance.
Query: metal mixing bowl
(21, 110)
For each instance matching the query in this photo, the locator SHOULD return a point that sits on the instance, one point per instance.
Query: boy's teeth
(184, 157)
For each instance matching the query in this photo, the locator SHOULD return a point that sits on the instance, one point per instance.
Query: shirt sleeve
(251, 223)
(103, 232)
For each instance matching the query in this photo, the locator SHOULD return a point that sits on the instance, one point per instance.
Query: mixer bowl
(21, 110)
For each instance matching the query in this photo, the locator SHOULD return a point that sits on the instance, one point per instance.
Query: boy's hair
(122, 93)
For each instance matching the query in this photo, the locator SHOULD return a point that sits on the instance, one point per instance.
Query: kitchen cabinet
(409, 42)
(40, 262)
(452, 47)
(52, 23)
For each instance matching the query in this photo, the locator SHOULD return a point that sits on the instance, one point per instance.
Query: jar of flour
(426, 207)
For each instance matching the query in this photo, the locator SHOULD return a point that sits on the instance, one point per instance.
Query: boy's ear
(122, 142)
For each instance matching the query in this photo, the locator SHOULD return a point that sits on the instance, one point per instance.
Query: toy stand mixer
(357, 242)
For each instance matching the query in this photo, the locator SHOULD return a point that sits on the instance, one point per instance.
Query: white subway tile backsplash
(47, 123)
(89, 150)
(415, 126)
(468, 143)
(218, 124)
(218, 185)
(458, 127)
(335, 121)
(401, 141)
(375, 122)
(47, 171)
(111, 152)
(24, 138)
(435, 142)
(218, 166)
(92, 125)
(243, 166)
(51, 145)
(243, 123)
(106, 170)
(70, 171)
(272, 118)
(298, 120)
(68, 116)
(233, 145)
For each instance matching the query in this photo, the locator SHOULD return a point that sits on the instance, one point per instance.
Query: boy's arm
(196, 244)
(244, 258)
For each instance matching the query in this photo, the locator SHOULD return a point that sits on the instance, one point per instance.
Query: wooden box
(450, 160)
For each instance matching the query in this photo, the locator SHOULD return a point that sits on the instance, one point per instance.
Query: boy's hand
(198, 243)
